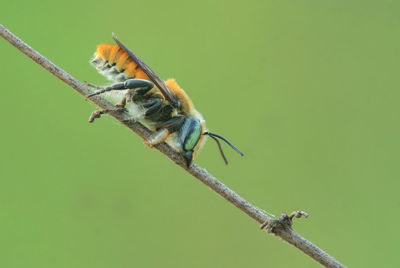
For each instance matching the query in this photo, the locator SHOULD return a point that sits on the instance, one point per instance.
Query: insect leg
(96, 114)
(118, 86)
(140, 87)
(134, 87)
(174, 124)
(165, 130)
(163, 113)
(152, 106)
(92, 85)
(158, 137)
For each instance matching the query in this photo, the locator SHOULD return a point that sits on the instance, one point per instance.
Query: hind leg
(140, 87)
(133, 87)
(96, 114)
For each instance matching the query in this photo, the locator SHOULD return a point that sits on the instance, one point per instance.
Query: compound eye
(193, 136)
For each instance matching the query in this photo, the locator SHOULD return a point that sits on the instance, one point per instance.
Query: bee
(162, 106)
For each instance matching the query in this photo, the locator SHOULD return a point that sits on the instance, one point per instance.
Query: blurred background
(309, 90)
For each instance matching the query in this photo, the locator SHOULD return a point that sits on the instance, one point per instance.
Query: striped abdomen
(115, 64)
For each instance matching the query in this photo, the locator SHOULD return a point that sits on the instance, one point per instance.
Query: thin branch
(280, 227)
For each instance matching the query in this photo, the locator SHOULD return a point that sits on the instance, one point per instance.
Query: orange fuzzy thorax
(186, 104)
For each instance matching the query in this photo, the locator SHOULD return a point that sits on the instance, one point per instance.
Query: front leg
(165, 130)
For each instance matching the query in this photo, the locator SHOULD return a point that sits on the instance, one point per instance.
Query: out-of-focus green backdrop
(309, 90)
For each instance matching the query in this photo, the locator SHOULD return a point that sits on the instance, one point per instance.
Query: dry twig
(280, 227)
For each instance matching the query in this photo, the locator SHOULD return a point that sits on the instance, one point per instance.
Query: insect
(163, 106)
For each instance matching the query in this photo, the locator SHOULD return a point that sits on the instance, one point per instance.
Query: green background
(309, 90)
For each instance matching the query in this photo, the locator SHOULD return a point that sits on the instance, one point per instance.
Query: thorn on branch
(284, 222)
